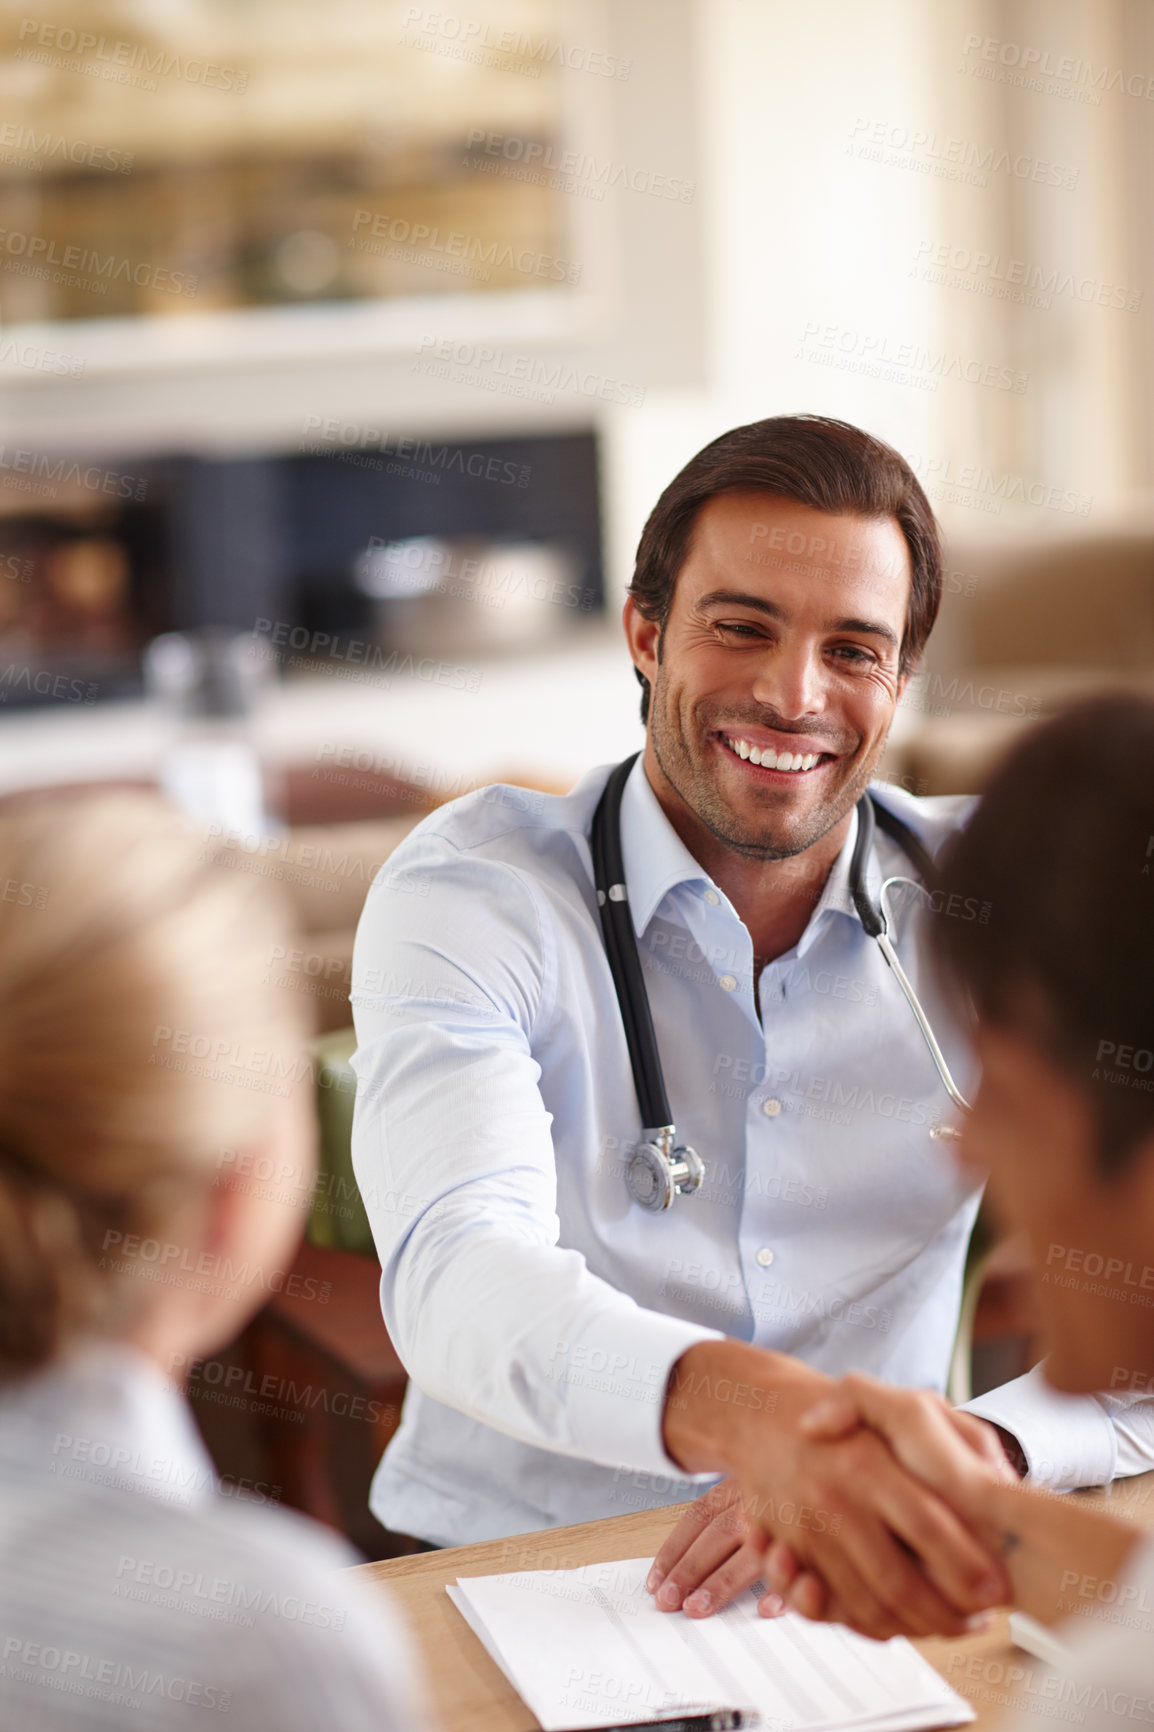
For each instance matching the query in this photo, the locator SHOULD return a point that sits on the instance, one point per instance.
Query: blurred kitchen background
(345, 347)
(373, 330)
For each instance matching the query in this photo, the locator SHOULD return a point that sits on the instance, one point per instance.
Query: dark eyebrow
(735, 598)
(867, 627)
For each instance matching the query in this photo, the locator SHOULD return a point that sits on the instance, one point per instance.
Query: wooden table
(471, 1694)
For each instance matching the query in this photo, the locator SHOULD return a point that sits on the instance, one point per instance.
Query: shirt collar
(653, 854)
(656, 860)
(835, 896)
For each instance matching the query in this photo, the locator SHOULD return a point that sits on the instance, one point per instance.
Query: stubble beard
(764, 837)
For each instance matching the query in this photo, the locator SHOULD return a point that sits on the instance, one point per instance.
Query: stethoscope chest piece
(656, 1172)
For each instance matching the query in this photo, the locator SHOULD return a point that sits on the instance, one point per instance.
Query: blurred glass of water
(206, 685)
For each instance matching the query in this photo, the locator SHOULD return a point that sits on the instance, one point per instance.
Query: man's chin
(779, 841)
(798, 824)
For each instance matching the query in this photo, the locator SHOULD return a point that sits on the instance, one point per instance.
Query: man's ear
(642, 635)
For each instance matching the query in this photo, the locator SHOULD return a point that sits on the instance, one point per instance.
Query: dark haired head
(812, 460)
(1062, 849)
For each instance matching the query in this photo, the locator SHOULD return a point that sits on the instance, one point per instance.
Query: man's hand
(890, 1550)
(1046, 1538)
(708, 1558)
(955, 1453)
(958, 1455)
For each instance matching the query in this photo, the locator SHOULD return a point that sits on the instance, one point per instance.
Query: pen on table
(720, 1720)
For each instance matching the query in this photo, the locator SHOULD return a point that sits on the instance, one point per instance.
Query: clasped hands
(855, 1501)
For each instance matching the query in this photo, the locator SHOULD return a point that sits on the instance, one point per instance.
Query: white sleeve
(454, 1159)
(1072, 1440)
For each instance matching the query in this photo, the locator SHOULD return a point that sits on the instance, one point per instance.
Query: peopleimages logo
(916, 147)
(534, 376)
(1032, 64)
(478, 40)
(100, 1679)
(536, 159)
(418, 241)
(26, 148)
(38, 254)
(323, 435)
(37, 359)
(1018, 280)
(903, 362)
(982, 489)
(119, 61)
(47, 467)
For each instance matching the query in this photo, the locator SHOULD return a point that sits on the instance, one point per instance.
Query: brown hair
(814, 461)
(1062, 849)
(119, 925)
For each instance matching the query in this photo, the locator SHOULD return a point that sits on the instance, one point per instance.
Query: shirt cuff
(1067, 1440)
(617, 1377)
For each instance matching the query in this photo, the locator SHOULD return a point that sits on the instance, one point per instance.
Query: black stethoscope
(658, 1168)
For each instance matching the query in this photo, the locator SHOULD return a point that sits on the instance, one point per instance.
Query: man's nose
(788, 679)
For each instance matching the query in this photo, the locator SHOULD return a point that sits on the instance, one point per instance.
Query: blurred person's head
(147, 1063)
(785, 585)
(1062, 979)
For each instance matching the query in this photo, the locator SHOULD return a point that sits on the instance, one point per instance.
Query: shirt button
(763, 1255)
(712, 898)
(727, 982)
(771, 1108)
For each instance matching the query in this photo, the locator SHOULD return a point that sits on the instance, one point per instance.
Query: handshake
(882, 1508)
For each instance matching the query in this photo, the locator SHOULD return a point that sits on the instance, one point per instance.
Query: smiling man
(776, 660)
(574, 1354)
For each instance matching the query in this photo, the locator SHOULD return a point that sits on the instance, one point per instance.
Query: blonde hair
(129, 945)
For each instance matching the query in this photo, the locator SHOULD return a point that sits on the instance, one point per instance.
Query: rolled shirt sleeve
(454, 1158)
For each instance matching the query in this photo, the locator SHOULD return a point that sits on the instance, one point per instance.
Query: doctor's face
(778, 675)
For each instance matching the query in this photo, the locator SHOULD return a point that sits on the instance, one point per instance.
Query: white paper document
(588, 1647)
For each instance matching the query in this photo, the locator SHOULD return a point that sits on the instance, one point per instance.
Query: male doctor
(573, 1354)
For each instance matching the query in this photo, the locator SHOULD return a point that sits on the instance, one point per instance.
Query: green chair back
(338, 1220)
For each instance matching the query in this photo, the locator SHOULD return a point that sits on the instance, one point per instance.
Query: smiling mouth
(793, 763)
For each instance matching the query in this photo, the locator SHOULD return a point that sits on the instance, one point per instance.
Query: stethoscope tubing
(625, 962)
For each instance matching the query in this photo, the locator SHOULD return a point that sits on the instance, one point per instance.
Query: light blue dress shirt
(537, 1308)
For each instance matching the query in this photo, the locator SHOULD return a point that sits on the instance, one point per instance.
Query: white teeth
(768, 759)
